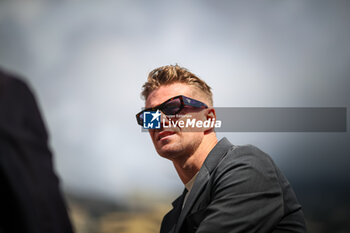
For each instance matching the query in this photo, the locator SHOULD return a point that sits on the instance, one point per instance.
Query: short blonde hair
(170, 74)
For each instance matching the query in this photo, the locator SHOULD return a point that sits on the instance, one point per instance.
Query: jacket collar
(216, 154)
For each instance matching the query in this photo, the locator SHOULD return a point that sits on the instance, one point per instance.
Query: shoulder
(10, 79)
(13, 85)
(248, 168)
(247, 155)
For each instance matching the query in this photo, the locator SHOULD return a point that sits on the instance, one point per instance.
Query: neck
(188, 166)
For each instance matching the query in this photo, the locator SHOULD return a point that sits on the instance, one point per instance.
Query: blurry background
(87, 61)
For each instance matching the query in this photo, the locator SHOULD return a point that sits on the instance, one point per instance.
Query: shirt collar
(190, 183)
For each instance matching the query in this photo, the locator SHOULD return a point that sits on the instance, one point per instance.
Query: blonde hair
(170, 74)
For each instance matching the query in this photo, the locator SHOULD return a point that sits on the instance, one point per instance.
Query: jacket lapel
(212, 160)
(171, 218)
(201, 180)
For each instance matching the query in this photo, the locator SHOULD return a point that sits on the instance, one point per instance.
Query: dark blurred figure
(30, 197)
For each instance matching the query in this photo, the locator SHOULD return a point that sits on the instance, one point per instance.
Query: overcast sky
(87, 60)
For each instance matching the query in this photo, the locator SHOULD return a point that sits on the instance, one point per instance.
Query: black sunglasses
(172, 106)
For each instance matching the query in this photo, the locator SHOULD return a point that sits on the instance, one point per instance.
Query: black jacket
(238, 189)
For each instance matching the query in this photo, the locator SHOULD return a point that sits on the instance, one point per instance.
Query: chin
(167, 152)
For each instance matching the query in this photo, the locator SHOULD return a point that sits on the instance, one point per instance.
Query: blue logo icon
(151, 120)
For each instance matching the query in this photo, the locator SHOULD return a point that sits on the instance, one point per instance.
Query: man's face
(172, 143)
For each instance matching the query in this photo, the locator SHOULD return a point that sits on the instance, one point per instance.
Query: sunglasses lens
(140, 118)
(172, 107)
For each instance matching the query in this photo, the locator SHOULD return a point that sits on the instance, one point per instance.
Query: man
(227, 188)
(30, 197)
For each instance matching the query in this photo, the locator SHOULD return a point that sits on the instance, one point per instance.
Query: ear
(211, 114)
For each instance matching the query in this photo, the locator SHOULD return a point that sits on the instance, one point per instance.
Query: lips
(164, 134)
